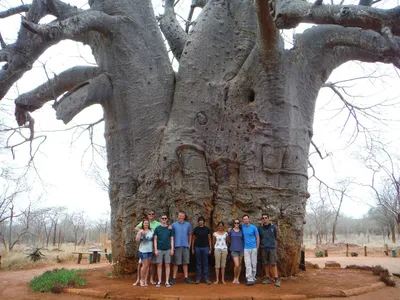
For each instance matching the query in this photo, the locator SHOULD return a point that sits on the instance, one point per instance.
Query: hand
(141, 231)
(172, 251)
(170, 227)
(209, 251)
(192, 251)
(156, 252)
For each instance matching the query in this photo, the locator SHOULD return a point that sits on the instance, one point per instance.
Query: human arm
(138, 226)
(139, 235)
(172, 245)
(209, 242)
(214, 240)
(194, 237)
(155, 244)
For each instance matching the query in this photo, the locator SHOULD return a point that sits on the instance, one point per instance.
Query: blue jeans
(201, 259)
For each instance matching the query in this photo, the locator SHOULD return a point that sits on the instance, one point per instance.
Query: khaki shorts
(268, 256)
(220, 258)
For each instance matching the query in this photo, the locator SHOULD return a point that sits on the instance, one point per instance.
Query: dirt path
(14, 284)
(391, 263)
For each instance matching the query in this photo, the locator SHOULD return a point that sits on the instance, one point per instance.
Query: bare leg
(159, 270)
(240, 268)
(143, 273)
(146, 266)
(266, 270)
(175, 271)
(139, 267)
(185, 270)
(223, 275)
(236, 270)
(216, 275)
(274, 271)
(152, 272)
(167, 271)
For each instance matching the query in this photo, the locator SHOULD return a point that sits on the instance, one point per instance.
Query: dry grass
(18, 259)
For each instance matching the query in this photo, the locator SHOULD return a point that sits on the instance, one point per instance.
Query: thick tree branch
(73, 26)
(95, 91)
(61, 83)
(343, 44)
(268, 34)
(290, 13)
(15, 10)
(172, 30)
(25, 51)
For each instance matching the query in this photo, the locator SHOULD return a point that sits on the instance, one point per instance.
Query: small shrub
(56, 280)
(319, 253)
(36, 255)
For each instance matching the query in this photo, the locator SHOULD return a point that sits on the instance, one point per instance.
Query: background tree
(230, 132)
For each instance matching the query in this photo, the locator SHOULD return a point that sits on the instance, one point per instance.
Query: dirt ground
(314, 283)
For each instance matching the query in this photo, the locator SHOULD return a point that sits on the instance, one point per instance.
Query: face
(151, 215)
(246, 220)
(236, 223)
(164, 219)
(265, 219)
(146, 224)
(181, 217)
(201, 223)
(220, 227)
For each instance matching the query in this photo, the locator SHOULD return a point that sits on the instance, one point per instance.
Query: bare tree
(230, 132)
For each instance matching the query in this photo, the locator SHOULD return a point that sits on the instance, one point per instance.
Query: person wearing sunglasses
(151, 216)
(268, 237)
(237, 249)
(163, 249)
(251, 244)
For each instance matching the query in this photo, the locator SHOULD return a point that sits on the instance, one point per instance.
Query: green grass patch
(55, 280)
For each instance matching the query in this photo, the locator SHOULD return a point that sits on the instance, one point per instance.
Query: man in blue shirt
(182, 233)
(251, 244)
(268, 237)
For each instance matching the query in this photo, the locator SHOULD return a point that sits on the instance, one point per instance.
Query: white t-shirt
(220, 241)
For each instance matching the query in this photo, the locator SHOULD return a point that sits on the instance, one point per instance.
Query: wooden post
(386, 250)
(79, 258)
(347, 250)
(302, 265)
(326, 253)
(0, 261)
(365, 250)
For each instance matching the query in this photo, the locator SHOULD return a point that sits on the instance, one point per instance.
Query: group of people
(160, 242)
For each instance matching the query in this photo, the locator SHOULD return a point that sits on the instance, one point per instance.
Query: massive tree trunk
(229, 133)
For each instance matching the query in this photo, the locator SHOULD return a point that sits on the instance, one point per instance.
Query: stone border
(335, 293)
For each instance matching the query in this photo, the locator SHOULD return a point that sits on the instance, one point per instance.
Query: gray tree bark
(230, 132)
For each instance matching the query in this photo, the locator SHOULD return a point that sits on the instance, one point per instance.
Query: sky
(63, 162)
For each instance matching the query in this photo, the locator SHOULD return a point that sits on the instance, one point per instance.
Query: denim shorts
(145, 255)
(237, 253)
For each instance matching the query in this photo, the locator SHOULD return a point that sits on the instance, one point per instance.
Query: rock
(332, 264)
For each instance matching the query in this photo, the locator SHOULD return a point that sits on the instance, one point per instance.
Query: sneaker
(277, 283)
(250, 282)
(158, 284)
(208, 282)
(173, 281)
(167, 284)
(197, 281)
(188, 281)
(267, 280)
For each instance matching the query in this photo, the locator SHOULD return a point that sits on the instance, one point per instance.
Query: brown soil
(313, 283)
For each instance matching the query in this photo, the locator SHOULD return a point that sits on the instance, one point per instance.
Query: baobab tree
(229, 132)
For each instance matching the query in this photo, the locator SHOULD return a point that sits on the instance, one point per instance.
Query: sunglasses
(164, 218)
(265, 217)
(237, 223)
(150, 214)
